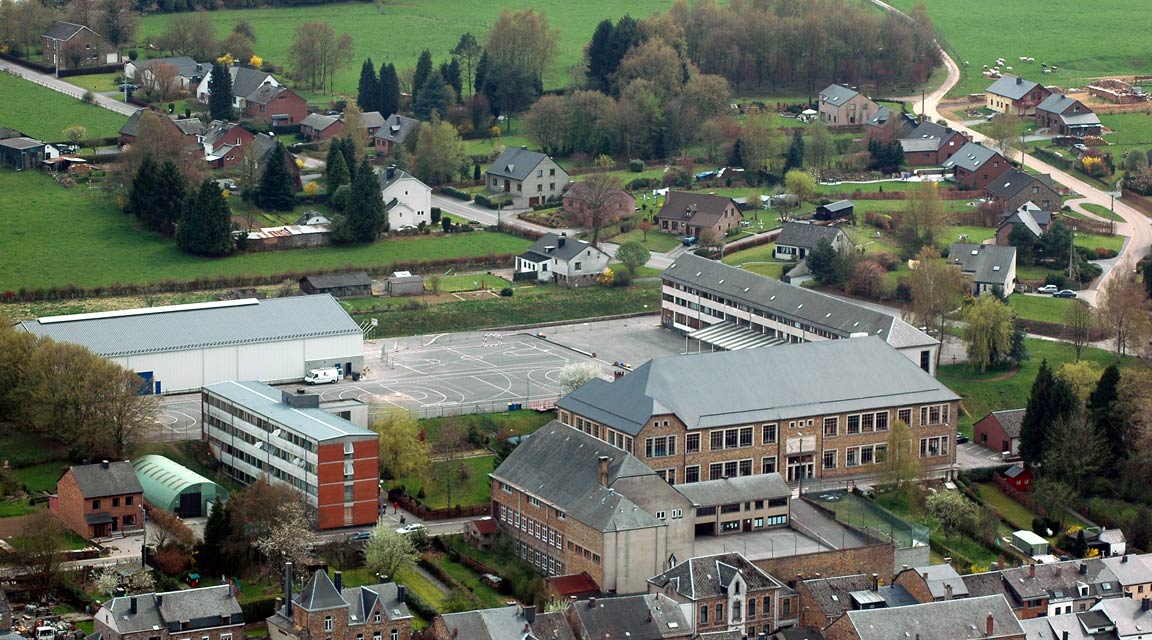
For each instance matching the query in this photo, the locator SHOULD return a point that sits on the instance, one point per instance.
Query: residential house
(276, 105)
(340, 285)
(730, 308)
(887, 124)
(68, 45)
(97, 500)
(21, 153)
(572, 502)
(652, 616)
(797, 240)
(1066, 116)
(245, 82)
(823, 601)
(844, 107)
(619, 205)
(395, 131)
(1014, 188)
(316, 127)
(1020, 477)
(259, 151)
(710, 416)
(835, 210)
(1030, 216)
(1117, 619)
(210, 613)
(562, 260)
(1013, 94)
(528, 177)
(407, 199)
(1134, 573)
(373, 122)
(189, 72)
(224, 143)
(1000, 430)
(983, 618)
(325, 608)
(481, 532)
(690, 213)
(930, 144)
(932, 583)
(724, 592)
(189, 128)
(502, 623)
(974, 167)
(1040, 590)
(990, 268)
(257, 431)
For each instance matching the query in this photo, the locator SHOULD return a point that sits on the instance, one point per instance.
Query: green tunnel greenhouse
(174, 487)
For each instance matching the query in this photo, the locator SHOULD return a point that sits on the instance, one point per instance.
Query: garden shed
(1029, 543)
(176, 488)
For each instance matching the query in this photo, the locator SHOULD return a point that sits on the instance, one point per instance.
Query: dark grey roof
(506, 623)
(245, 81)
(21, 143)
(1128, 616)
(706, 577)
(320, 593)
(1058, 103)
(1011, 87)
(972, 156)
(1010, 420)
(198, 326)
(1131, 568)
(131, 126)
(739, 489)
(959, 619)
(927, 136)
(938, 577)
(396, 128)
(61, 30)
(261, 144)
(881, 116)
(560, 466)
(266, 401)
(572, 247)
(318, 121)
(200, 608)
(1031, 216)
(362, 600)
(398, 174)
(372, 119)
(989, 583)
(837, 94)
(987, 263)
(1013, 181)
(759, 385)
(334, 280)
(95, 481)
(797, 234)
(701, 208)
(266, 93)
(643, 617)
(1058, 580)
(835, 315)
(190, 126)
(839, 205)
(187, 66)
(99, 517)
(833, 595)
(516, 163)
(7, 132)
(799, 633)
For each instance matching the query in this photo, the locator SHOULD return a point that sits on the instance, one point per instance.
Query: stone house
(974, 166)
(1013, 94)
(207, 613)
(325, 608)
(68, 45)
(528, 177)
(1013, 188)
(844, 107)
(797, 240)
(1066, 116)
(689, 213)
(97, 500)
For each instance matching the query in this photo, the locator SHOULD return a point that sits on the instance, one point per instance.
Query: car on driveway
(127, 87)
(961, 438)
(1064, 293)
(362, 535)
(411, 528)
(1048, 288)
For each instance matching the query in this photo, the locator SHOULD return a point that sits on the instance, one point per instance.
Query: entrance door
(747, 525)
(115, 523)
(800, 466)
(507, 186)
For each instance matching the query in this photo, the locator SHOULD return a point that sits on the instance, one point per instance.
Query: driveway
(60, 86)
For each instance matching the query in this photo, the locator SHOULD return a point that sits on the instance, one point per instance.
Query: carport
(176, 488)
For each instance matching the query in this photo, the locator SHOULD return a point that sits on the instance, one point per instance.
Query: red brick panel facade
(287, 103)
(71, 508)
(333, 508)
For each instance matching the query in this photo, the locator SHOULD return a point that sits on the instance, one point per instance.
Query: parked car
(362, 535)
(961, 438)
(1064, 293)
(688, 241)
(127, 87)
(1048, 288)
(411, 528)
(327, 375)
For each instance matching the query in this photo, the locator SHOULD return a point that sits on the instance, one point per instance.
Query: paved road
(60, 86)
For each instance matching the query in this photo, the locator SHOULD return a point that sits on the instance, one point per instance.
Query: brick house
(974, 167)
(988, 618)
(688, 213)
(207, 613)
(395, 131)
(97, 500)
(1014, 188)
(274, 104)
(809, 410)
(1013, 94)
(930, 144)
(823, 601)
(887, 124)
(622, 203)
(326, 609)
(1066, 116)
(844, 107)
(501, 623)
(932, 583)
(652, 616)
(724, 592)
(189, 128)
(316, 127)
(225, 143)
(999, 430)
(528, 177)
(73, 46)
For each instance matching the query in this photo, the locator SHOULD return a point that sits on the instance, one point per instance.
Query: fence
(424, 513)
(875, 520)
(543, 403)
(1137, 201)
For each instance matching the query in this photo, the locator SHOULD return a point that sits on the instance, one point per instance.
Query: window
(539, 173)
(534, 501)
(660, 515)
(715, 440)
(540, 188)
(327, 623)
(830, 459)
(853, 425)
(905, 416)
(704, 614)
(677, 514)
(115, 502)
(786, 607)
(129, 500)
(394, 634)
(866, 455)
(881, 453)
(719, 613)
(831, 427)
(660, 447)
(129, 521)
(934, 414)
(505, 488)
(926, 360)
(867, 422)
(769, 434)
(730, 438)
(692, 473)
(737, 615)
(752, 610)
(746, 467)
(758, 523)
(376, 617)
(850, 457)
(730, 469)
(882, 421)
(932, 447)
(551, 186)
(746, 436)
(552, 172)
(95, 504)
(715, 471)
(692, 443)
(768, 465)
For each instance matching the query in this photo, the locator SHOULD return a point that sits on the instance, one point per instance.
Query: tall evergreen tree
(364, 217)
(171, 191)
(335, 169)
(1052, 398)
(143, 191)
(1111, 427)
(277, 189)
(348, 148)
(206, 223)
(450, 71)
(368, 92)
(795, 159)
(600, 63)
(220, 93)
(212, 553)
(481, 73)
(435, 95)
(467, 53)
(423, 70)
(389, 90)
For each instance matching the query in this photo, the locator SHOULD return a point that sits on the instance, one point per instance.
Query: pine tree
(481, 73)
(143, 191)
(220, 93)
(435, 95)
(348, 148)
(335, 170)
(277, 189)
(600, 63)
(1111, 428)
(451, 74)
(389, 90)
(211, 555)
(795, 159)
(423, 70)
(206, 223)
(1051, 399)
(368, 92)
(171, 190)
(364, 217)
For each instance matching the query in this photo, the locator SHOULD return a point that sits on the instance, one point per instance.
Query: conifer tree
(364, 217)
(423, 70)
(389, 90)
(335, 170)
(171, 190)
(206, 224)
(220, 93)
(368, 92)
(277, 189)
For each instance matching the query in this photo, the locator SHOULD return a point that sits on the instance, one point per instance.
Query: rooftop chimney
(288, 590)
(603, 471)
(560, 241)
(391, 172)
(947, 592)
(1019, 80)
(132, 605)
(104, 465)
(875, 581)
(1144, 604)
(401, 592)
(159, 600)
(591, 603)
(530, 613)
(1032, 570)
(1124, 558)
(989, 625)
(1064, 636)
(339, 581)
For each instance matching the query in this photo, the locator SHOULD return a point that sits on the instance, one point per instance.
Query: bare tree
(289, 539)
(523, 40)
(1006, 129)
(38, 550)
(1121, 312)
(317, 52)
(165, 80)
(163, 140)
(450, 446)
(937, 290)
(1078, 318)
(595, 200)
(189, 34)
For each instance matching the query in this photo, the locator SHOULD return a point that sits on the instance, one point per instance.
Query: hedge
(492, 203)
(1052, 158)
(453, 192)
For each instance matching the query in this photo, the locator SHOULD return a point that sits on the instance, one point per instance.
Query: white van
(323, 376)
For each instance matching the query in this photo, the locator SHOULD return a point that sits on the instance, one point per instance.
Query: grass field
(471, 490)
(1043, 308)
(1091, 241)
(27, 106)
(56, 236)
(979, 31)
(1102, 211)
(397, 32)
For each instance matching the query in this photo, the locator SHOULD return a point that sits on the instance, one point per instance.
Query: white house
(190, 72)
(245, 82)
(989, 267)
(797, 240)
(560, 259)
(409, 201)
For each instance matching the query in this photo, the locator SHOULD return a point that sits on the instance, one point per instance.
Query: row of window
(532, 527)
(394, 634)
(265, 446)
(730, 469)
(261, 423)
(543, 561)
(260, 464)
(588, 554)
(802, 326)
(128, 502)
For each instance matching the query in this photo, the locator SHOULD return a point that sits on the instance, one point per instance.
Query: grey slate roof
(705, 577)
(1031, 217)
(701, 208)
(796, 234)
(989, 583)
(372, 119)
(516, 163)
(195, 326)
(506, 623)
(838, 317)
(245, 81)
(95, 481)
(1131, 568)
(628, 617)
(1013, 181)
(972, 156)
(397, 128)
(21, 143)
(1011, 87)
(937, 576)
(1059, 580)
(266, 93)
(927, 136)
(318, 121)
(399, 174)
(1126, 614)
(837, 95)
(959, 619)
(201, 608)
(739, 489)
(987, 263)
(1058, 103)
(759, 385)
(1010, 420)
(834, 595)
(571, 249)
(186, 66)
(560, 466)
(320, 593)
(267, 401)
(333, 280)
(61, 30)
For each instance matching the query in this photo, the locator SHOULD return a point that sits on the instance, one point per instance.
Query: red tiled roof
(572, 584)
(486, 526)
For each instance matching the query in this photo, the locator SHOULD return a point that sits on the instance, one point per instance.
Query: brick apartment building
(812, 410)
(98, 500)
(326, 609)
(257, 431)
(207, 613)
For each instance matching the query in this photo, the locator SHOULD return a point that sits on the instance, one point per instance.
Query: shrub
(621, 278)
(436, 215)
(88, 97)
(636, 166)
(507, 292)
(493, 202)
(1057, 279)
(455, 193)
(1103, 253)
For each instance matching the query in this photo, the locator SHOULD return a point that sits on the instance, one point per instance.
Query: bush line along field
(26, 105)
(57, 236)
(397, 32)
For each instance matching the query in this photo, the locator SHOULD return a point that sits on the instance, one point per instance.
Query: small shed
(176, 488)
(1029, 543)
(21, 153)
(403, 283)
(1019, 477)
(481, 532)
(339, 285)
(835, 210)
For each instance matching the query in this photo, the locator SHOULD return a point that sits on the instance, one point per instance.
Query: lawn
(43, 113)
(979, 31)
(56, 236)
(485, 146)
(11, 508)
(98, 82)
(1102, 211)
(24, 449)
(1129, 129)
(1042, 308)
(488, 596)
(473, 489)
(397, 32)
(41, 477)
(658, 241)
(1091, 241)
(510, 423)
